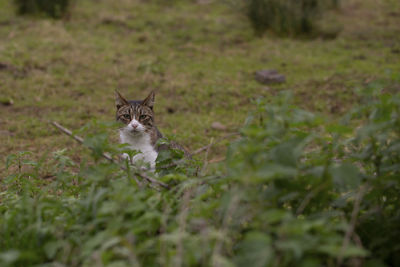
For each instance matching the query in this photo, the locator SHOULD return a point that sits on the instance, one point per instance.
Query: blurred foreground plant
(294, 191)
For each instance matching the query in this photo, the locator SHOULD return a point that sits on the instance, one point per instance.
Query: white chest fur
(141, 143)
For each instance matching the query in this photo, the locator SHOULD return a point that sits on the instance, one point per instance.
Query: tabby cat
(140, 131)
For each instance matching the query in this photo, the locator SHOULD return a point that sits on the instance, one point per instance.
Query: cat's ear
(149, 101)
(120, 100)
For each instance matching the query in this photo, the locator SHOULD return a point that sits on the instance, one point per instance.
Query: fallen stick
(217, 160)
(109, 158)
(205, 165)
(205, 148)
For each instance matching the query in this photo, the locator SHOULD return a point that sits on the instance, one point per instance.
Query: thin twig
(353, 221)
(109, 158)
(308, 198)
(357, 262)
(216, 160)
(205, 165)
(204, 148)
(66, 131)
(124, 168)
(182, 220)
(80, 140)
(224, 229)
(173, 164)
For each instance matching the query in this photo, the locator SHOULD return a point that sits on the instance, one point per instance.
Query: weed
(293, 191)
(51, 8)
(288, 17)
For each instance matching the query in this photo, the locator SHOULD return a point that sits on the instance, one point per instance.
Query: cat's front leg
(125, 156)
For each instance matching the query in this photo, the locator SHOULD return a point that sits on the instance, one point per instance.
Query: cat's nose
(134, 125)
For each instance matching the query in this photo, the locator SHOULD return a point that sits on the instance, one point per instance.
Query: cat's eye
(127, 116)
(142, 117)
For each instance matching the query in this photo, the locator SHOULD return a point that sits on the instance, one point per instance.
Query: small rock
(218, 126)
(269, 76)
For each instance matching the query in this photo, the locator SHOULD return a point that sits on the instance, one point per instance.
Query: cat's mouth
(135, 131)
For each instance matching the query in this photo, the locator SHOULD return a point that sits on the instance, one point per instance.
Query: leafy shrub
(288, 17)
(293, 192)
(51, 8)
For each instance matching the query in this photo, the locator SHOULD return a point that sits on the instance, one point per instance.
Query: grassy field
(199, 57)
(293, 190)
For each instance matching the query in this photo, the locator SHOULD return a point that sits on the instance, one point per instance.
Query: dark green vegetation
(294, 192)
(295, 189)
(291, 17)
(51, 8)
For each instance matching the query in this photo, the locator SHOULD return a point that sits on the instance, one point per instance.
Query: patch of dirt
(12, 69)
(331, 95)
(31, 110)
(368, 20)
(21, 72)
(117, 22)
(6, 133)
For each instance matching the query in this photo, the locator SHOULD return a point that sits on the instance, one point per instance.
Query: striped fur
(139, 130)
(141, 111)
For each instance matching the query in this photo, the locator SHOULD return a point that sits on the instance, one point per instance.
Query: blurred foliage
(294, 191)
(291, 17)
(52, 8)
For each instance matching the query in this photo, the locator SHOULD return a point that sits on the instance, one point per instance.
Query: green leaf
(288, 153)
(10, 160)
(94, 242)
(273, 216)
(271, 171)
(338, 129)
(296, 247)
(345, 176)
(336, 250)
(51, 248)
(374, 263)
(9, 256)
(255, 250)
(29, 162)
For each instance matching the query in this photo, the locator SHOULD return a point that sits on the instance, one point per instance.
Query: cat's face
(137, 116)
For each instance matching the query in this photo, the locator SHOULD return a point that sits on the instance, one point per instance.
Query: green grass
(296, 189)
(200, 59)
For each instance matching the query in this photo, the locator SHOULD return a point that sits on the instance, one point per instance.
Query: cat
(139, 131)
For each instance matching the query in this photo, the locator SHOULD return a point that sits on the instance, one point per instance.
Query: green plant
(294, 191)
(287, 17)
(51, 8)
(375, 147)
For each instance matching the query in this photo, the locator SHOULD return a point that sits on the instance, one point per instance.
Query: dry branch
(136, 172)
(205, 148)
(205, 165)
(353, 221)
